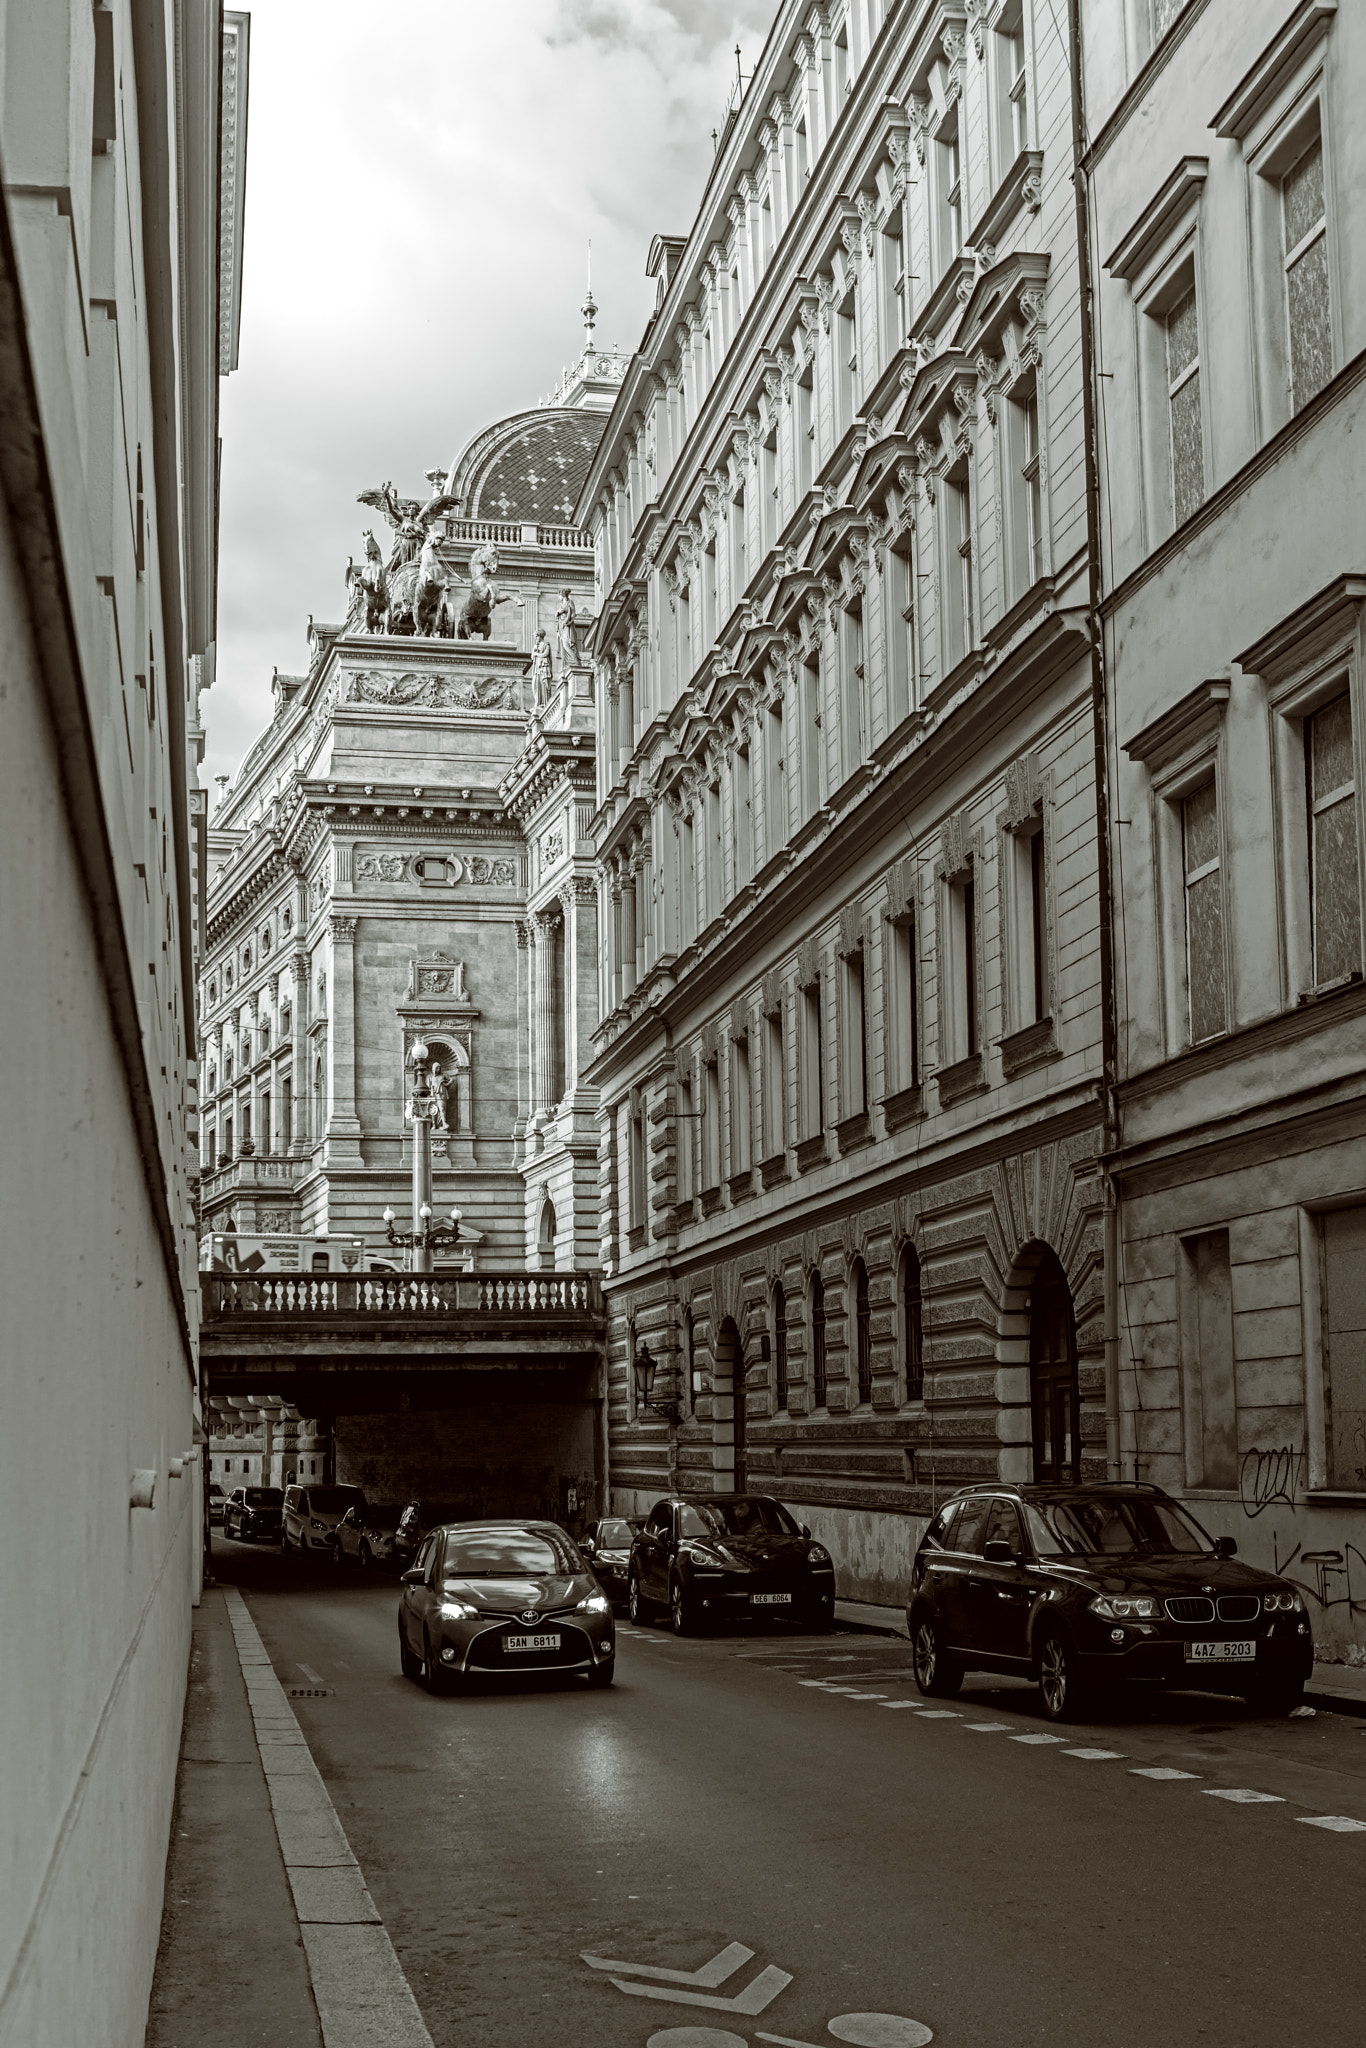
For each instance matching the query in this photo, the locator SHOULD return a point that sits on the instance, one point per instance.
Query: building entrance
(1053, 1375)
(728, 1410)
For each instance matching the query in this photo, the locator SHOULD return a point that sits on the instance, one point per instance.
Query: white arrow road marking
(706, 1979)
(864, 2030)
(759, 1994)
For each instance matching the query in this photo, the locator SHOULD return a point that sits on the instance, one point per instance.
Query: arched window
(817, 1341)
(863, 1333)
(546, 1232)
(912, 1326)
(779, 1346)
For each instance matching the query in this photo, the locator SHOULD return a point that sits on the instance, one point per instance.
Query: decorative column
(628, 934)
(546, 922)
(580, 901)
(525, 1041)
(343, 1125)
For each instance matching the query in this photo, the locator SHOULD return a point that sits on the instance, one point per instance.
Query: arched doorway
(728, 1410)
(1053, 1394)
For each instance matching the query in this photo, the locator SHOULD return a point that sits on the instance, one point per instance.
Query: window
(852, 723)
(213, 1080)
(813, 737)
(779, 1346)
(957, 582)
(959, 969)
(265, 940)
(213, 991)
(688, 881)
(1026, 493)
(804, 428)
(774, 1085)
(895, 305)
(246, 1049)
(775, 781)
(768, 493)
(812, 1063)
(1207, 1370)
(711, 1126)
(1344, 1341)
(1165, 13)
(735, 524)
(855, 1049)
(903, 1021)
(742, 818)
(227, 1065)
(286, 1019)
(863, 1334)
(818, 1374)
(636, 1168)
(1305, 241)
(713, 879)
(1334, 870)
(949, 175)
(900, 630)
(1012, 99)
(846, 364)
(1026, 852)
(1205, 965)
(740, 1106)
(286, 920)
(912, 1326)
(286, 1112)
(685, 1140)
(263, 1123)
(265, 1034)
(1183, 406)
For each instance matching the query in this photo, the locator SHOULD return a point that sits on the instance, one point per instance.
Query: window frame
(1290, 120)
(817, 1325)
(1171, 782)
(862, 1346)
(911, 1324)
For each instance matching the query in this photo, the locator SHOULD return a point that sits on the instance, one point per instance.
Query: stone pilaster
(342, 1129)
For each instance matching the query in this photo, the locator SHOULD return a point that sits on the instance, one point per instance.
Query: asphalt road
(964, 1868)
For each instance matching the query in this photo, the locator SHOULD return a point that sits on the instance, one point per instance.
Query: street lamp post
(425, 1237)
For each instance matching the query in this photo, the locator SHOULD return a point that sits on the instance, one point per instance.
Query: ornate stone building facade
(1226, 169)
(846, 832)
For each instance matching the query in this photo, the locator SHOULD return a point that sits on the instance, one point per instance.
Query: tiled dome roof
(530, 467)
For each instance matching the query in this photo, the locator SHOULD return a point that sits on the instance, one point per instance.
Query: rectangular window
(636, 1174)
(1344, 1343)
(779, 1347)
(1012, 101)
(743, 818)
(1026, 504)
(1028, 928)
(714, 878)
(957, 584)
(688, 881)
(1205, 970)
(264, 1123)
(740, 1106)
(768, 493)
(812, 1063)
(813, 738)
(775, 1087)
(708, 599)
(900, 619)
(1334, 861)
(855, 1048)
(685, 1141)
(895, 305)
(775, 781)
(683, 616)
(1183, 405)
(903, 1022)
(948, 166)
(804, 428)
(846, 364)
(1304, 226)
(853, 736)
(711, 1126)
(959, 972)
(286, 1112)
(968, 896)
(739, 574)
(1209, 1391)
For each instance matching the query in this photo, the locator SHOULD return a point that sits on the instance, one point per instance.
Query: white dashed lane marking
(937, 1714)
(1336, 1823)
(987, 1727)
(899, 1706)
(1037, 1740)
(1097, 1756)
(1162, 1773)
(1242, 1795)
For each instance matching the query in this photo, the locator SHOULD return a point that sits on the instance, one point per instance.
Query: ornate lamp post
(425, 1237)
(644, 1369)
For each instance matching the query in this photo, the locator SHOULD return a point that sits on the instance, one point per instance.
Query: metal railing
(419, 1295)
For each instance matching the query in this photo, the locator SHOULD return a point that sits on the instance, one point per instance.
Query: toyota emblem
(531, 1614)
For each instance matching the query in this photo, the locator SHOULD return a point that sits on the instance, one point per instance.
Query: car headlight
(594, 1603)
(1286, 1601)
(818, 1554)
(316, 1524)
(457, 1610)
(1126, 1606)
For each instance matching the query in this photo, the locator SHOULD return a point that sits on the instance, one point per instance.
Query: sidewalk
(1341, 1688)
(268, 1932)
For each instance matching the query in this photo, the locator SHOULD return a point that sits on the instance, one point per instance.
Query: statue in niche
(542, 672)
(439, 1096)
(567, 631)
(476, 613)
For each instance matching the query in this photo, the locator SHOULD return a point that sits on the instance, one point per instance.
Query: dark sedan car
(365, 1537)
(1085, 1586)
(500, 1598)
(252, 1514)
(607, 1546)
(724, 1554)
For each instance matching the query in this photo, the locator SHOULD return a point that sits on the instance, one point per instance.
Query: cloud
(422, 184)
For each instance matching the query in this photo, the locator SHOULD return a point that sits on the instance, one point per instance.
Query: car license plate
(771, 1599)
(1221, 1653)
(532, 1642)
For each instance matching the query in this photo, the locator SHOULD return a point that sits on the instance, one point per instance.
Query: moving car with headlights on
(365, 1537)
(252, 1514)
(216, 1499)
(1081, 1587)
(607, 1546)
(500, 1598)
(715, 1555)
(312, 1514)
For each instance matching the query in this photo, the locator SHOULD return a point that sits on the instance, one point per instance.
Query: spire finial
(589, 308)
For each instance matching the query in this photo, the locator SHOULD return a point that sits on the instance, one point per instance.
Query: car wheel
(603, 1674)
(433, 1677)
(1059, 1684)
(636, 1602)
(936, 1675)
(683, 1615)
(410, 1665)
(1275, 1698)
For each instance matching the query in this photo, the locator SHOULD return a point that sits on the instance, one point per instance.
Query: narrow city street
(868, 1858)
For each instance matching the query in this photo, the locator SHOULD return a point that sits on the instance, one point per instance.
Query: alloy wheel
(678, 1609)
(635, 1599)
(1055, 1677)
(926, 1657)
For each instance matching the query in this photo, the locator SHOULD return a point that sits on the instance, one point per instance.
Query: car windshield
(509, 1553)
(1108, 1525)
(745, 1515)
(263, 1496)
(333, 1500)
(615, 1535)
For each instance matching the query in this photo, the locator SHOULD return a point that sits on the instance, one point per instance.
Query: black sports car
(704, 1557)
(607, 1546)
(1079, 1586)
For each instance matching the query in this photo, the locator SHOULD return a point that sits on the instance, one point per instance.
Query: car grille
(1239, 1607)
(1190, 1607)
(487, 1652)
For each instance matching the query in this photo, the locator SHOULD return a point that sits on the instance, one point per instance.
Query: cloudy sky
(423, 178)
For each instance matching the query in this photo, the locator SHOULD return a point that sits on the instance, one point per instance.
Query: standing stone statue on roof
(567, 631)
(542, 672)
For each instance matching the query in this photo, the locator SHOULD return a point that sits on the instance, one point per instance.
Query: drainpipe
(1100, 735)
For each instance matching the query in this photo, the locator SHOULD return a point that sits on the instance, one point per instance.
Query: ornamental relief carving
(376, 864)
(429, 692)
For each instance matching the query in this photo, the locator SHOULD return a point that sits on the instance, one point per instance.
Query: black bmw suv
(1084, 1586)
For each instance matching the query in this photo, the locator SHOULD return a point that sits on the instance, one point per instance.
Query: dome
(530, 467)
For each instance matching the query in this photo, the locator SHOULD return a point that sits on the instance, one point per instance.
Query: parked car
(497, 1597)
(216, 1500)
(607, 1546)
(365, 1536)
(312, 1513)
(252, 1514)
(1083, 1586)
(724, 1554)
(417, 1520)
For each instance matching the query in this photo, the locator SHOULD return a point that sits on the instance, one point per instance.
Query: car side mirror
(1225, 1546)
(412, 1579)
(806, 1528)
(997, 1551)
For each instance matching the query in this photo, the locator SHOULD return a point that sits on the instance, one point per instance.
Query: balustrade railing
(399, 1294)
